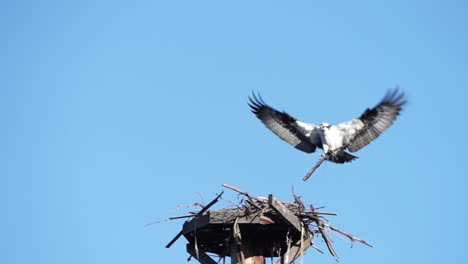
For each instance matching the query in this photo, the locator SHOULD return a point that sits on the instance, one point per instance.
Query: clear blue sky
(113, 113)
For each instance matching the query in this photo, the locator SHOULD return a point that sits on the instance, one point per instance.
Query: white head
(324, 125)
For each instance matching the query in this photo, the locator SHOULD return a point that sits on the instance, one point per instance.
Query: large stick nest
(256, 218)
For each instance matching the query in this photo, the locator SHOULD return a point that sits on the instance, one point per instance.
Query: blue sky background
(113, 113)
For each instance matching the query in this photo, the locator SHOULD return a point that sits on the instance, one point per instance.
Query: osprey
(333, 139)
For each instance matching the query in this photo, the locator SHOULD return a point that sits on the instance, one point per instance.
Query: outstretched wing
(301, 135)
(374, 121)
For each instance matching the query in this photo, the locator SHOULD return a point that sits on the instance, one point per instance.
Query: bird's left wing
(360, 132)
(301, 135)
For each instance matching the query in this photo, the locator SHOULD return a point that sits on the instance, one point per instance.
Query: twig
(189, 206)
(316, 248)
(246, 194)
(181, 216)
(201, 197)
(210, 204)
(253, 204)
(157, 222)
(322, 159)
(351, 237)
(325, 236)
(297, 200)
(316, 212)
(230, 202)
(170, 218)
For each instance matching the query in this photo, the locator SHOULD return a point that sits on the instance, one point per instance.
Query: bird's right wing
(303, 136)
(376, 120)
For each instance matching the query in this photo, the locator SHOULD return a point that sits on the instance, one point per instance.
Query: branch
(246, 194)
(171, 218)
(297, 200)
(351, 237)
(317, 212)
(180, 216)
(322, 159)
(325, 236)
(210, 204)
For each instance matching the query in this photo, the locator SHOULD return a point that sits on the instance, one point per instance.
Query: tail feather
(341, 157)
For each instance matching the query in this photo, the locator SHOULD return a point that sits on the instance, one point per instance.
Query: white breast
(333, 137)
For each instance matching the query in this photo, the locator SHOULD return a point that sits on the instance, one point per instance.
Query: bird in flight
(351, 135)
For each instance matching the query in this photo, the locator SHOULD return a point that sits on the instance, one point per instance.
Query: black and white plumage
(333, 139)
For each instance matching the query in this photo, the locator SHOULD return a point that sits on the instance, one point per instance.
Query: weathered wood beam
(201, 256)
(215, 200)
(174, 239)
(248, 252)
(285, 212)
(195, 223)
(294, 252)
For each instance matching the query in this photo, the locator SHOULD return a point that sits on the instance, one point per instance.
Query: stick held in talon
(322, 159)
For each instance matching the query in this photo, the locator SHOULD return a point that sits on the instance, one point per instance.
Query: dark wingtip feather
(379, 118)
(395, 97)
(256, 103)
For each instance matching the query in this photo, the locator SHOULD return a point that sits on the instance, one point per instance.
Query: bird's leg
(327, 151)
(326, 154)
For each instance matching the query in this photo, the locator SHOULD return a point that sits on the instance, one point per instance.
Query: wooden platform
(266, 231)
(257, 228)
